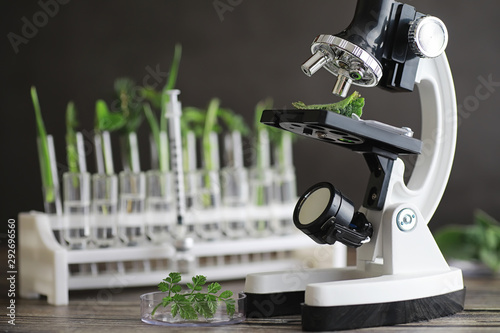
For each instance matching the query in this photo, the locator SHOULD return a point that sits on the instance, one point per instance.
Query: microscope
(400, 275)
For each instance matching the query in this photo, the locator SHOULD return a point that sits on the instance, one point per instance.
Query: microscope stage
(364, 136)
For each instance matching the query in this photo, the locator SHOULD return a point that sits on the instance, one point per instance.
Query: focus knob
(428, 37)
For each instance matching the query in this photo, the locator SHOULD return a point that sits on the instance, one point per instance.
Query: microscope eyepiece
(388, 43)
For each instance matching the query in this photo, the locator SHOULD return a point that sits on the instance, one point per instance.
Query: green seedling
(195, 302)
(71, 141)
(43, 154)
(478, 242)
(159, 100)
(351, 105)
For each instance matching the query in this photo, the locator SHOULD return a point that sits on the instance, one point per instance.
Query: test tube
(234, 188)
(160, 206)
(159, 155)
(207, 207)
(77, 204)
(261, 190)
(285, 188)
(131, 224)
(104, 209)
(130, 152)
(51, 194)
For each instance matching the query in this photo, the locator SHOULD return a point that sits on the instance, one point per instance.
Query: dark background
(241, 56)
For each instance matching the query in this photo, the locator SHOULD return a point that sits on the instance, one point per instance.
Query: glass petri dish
(162, 316)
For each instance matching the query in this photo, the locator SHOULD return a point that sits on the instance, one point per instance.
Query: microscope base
(347, 298)
(348, 317)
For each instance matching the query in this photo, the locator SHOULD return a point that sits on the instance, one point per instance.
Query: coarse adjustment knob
(428, 37)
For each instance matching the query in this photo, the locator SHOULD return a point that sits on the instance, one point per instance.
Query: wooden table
(118, 311)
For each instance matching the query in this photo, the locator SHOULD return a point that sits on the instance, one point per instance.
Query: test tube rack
(50, 269)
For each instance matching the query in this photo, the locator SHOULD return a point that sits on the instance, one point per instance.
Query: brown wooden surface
(119, 311)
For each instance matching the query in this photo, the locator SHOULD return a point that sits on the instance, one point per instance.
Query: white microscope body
(400, 274)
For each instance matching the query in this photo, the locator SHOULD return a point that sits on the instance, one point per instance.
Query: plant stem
(71, 141)
(107, 153)
(210, 120)
(160, 139)
(44, 156)
(154, 309)
(208, 155)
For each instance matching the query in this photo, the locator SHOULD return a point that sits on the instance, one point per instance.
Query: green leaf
(172, 79)
(210, 122)
(353, 104)
(490, 259)
(187, 311)
(480, 241)
(164, 286)
(206, 308)
(176, 288)
(226, 294)
(124, 84)
(491, 239)
(259, 108)
(189, 305)
(174, 309)
(43, 153)
(230, 307)
(212, 305)
(180, 298)
(199, 280)
(112, 122)
(130, 106)
(453, 244)
(175, 276)
(105, 120)
(71, 145)
(485, 220)
(174, 67)
(151, 95)
(166, 301)
(214, 287)
(192, 119)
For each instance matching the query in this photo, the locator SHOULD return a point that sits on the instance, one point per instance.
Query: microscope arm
(401, 235)
(439, 132)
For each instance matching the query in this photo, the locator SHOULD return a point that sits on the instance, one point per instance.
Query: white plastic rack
(48, 268)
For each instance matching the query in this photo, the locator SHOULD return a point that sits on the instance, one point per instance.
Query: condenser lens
(314, 205)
